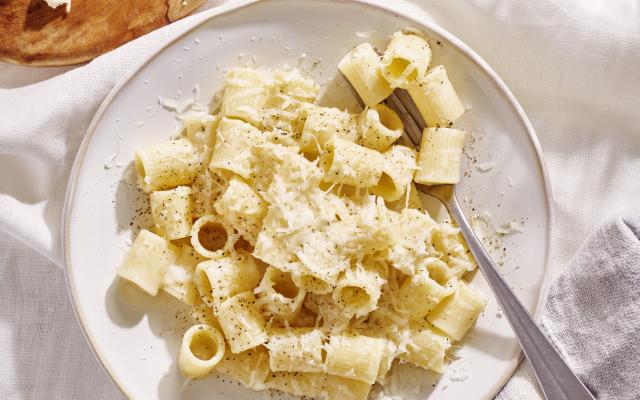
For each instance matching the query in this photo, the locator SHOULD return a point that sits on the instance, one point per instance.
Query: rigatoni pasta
(440, 156)
(295, 350)
(166, 165)
(202, 349)
(406, 59)
(246, 92)
(344, 162)
(234, 142)
(322, 124)
(379, 127)
(456, 314)
(355, 357)
(171, 212)
(363, 68)
(147, 261)
(295, 234)
(397, 173)
(243, 326)
(436, 99)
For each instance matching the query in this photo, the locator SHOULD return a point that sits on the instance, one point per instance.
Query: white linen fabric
(573, 65)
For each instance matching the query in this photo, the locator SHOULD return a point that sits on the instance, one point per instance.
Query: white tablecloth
(573, 65)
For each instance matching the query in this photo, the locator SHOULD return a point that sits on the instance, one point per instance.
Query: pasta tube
(201, 350)
(243, 208)
(250, 367)
(166, 165)
(340, 388)
(224, 277)
(246, 91)
(206, 189)
(200, 129)
(440, 156)
(277, 293)
(241, 322)
(362, 67)
(456, 314)
(405, 60)
(171, 212)
(436, 99)
(348, 163)
(419, 294)
(178, 279)
(295, 350)
(234, 142)
(357, 291)
(293, 84)
(426, 348)
(354, 356)
(379, 127)
(212, 237)
(388, 355)
(304, 384)
(321, 124)
(397, 173)
(147, 261)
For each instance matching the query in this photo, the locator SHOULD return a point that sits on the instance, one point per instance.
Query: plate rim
(205, 17)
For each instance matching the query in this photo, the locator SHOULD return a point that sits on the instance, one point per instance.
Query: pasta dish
(295, 233)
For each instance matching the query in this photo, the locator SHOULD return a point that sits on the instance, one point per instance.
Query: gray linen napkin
(593, 313)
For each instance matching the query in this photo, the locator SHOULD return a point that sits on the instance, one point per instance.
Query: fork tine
(354, 91)
(408, 103)
(411, 128)
(404, 107)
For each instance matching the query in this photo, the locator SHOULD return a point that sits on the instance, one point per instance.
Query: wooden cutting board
(32, 33)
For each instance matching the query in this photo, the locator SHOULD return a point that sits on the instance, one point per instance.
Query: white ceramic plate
(136, 336)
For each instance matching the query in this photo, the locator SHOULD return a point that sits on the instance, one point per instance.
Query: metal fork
(556, 379)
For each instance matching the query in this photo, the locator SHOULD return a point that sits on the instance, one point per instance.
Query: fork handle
(556, 379)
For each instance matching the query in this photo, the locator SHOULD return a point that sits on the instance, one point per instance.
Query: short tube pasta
(147, 261)
(202, 349)
(345, 162)
(340, 388)
(419, 294)
(406, 59)
(166, 165)
(278, 294)
(171, 212)
(436, 99)
(246, 93)
(456, 314)
(379, 127)
(440, 156)
(241, 322)
(250, 367)
(426, 348)
(178, 279)
(200, 129)
(224, 277)
(397, 173)
(212, 237)
(243, 208)
(362, 67)
(321, 124)
(357, 291)
(234, 142)
(295, 350)
(354, 356)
